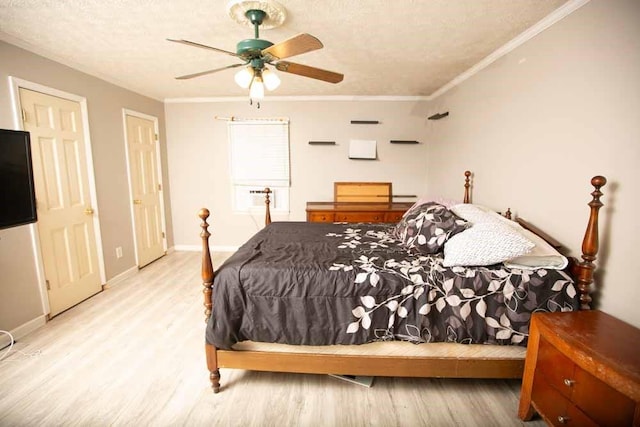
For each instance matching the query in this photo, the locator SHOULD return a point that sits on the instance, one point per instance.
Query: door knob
(88, 211)
(137, 202)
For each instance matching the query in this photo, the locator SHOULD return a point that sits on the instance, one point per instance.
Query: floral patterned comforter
(321, 284)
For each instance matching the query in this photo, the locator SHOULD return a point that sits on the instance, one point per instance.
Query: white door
(146, 189)
(65, 214)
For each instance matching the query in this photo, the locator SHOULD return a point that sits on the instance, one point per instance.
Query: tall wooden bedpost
(267, 217)
(583, 271)
(207, 267)
(207, 282)
(467, 194)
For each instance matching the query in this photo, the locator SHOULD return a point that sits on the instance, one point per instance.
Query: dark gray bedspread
(321, 284)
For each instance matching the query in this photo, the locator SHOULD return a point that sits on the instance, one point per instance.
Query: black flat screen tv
(17, 193)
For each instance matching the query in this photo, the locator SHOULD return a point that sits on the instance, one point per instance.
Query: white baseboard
(187, 248)
(122, 276)
(22, 330)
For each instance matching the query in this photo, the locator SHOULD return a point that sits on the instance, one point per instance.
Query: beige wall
(199, 157)
(539, 123)
(18, 288)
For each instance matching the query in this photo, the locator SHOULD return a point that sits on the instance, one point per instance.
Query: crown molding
(555, 16)
(296, 99)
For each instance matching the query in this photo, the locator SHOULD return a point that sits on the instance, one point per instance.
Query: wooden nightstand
(582, 368)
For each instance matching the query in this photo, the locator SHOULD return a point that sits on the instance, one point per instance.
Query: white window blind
(259, 152)
(259, 158)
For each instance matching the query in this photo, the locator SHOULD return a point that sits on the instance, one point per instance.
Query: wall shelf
(438, 116)
(398, 141)
(364, 122)
(322, 143)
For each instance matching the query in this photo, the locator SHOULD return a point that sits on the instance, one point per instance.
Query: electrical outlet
(119, 252)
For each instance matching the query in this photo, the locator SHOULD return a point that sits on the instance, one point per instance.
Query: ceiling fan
(256, 53)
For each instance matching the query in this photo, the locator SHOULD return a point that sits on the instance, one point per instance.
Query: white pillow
(477, 214)
(543, 255)
(485, 243)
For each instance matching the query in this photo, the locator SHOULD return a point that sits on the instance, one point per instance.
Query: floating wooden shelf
(397, 141)
(438, 116)
(322, 142)
(364, 122)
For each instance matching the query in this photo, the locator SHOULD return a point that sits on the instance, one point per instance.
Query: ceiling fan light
(257, 88)
(271, 79)
(244, 76)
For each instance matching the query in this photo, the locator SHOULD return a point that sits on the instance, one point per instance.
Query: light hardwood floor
(134, 355)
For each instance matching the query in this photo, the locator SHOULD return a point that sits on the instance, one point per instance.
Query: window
(259, 159)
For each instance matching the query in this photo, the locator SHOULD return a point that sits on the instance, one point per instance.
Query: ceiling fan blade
(294, 46)
(306, 71)
(203, 73)
(203, 46)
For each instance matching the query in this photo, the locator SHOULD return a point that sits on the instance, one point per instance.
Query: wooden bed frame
(390, 366)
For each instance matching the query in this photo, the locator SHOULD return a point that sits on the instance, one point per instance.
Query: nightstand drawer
(555, 408)
(556, 368)
(583, 367)
(606, 405)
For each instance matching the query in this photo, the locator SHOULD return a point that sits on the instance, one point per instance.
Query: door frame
(15, 84)
(127, 112)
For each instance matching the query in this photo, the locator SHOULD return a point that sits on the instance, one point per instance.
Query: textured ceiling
(383, 47)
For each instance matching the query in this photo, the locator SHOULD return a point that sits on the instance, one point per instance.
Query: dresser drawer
(320, 216)
(359, 217)
(556, 409)
(393, 216)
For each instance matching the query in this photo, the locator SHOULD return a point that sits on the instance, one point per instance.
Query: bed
(351, 299)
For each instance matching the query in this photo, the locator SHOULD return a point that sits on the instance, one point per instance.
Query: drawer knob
(563, 419)
(568, 382)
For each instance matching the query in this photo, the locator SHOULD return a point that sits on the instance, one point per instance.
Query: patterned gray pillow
(427, 227)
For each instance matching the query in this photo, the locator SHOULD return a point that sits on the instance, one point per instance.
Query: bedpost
(207, 266)
(467, 195)
(207, 282)
(583, 271)
(267, 216)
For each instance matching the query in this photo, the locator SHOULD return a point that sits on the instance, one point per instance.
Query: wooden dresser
(583, 369)
(355, 211)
